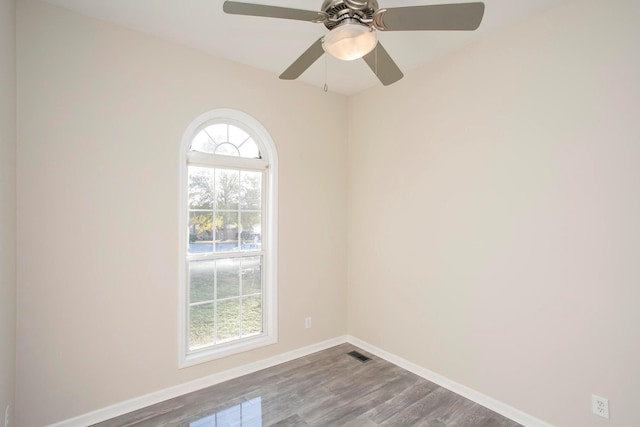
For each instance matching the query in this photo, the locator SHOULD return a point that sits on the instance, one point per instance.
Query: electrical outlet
(600, 406)
(307, 322)
(6, 416)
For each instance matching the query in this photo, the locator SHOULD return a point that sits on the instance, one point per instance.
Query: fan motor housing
(337, 11)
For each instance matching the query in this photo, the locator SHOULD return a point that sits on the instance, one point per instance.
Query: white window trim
(270, 291)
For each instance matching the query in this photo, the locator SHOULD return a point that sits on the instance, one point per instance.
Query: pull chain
(326, 87)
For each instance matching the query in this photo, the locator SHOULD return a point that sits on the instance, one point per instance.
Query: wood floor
(328, 388)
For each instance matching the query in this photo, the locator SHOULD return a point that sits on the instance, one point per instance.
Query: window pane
(251, 190)
(250, 150)
(251, 315)
(218, 133)
(237, 136)
(200, 325)
(201, 280)
(200, 232)
(227, 189)
(225, 140)
(228, 319)
(203, 143)
(251, 275)
(227, 232)
(228, 278)
(200, 188)
(226, 149)
(251, 226)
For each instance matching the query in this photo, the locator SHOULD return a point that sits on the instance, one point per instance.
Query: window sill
(224, 350)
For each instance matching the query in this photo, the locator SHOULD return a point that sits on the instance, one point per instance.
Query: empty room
(206, 206)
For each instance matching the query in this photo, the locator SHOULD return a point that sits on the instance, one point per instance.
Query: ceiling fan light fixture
(350, 41)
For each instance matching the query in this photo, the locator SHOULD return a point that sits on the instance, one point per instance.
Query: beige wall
(494, 200)
(101, 114)
(7, 204)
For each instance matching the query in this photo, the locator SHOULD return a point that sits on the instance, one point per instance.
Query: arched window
(228, 237)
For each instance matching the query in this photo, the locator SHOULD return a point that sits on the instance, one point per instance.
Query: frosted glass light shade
(350, 41)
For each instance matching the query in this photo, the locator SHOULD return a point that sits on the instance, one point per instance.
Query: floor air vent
(361, 357)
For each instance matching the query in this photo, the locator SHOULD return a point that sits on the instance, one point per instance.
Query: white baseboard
(208, 381)
(464, 391)
(195, 385)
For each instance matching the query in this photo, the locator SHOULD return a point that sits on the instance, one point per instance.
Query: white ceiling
(273, 44)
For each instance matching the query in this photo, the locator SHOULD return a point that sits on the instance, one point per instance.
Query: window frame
(268, 164)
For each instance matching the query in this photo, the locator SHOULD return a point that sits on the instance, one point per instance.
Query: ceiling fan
(352, 26)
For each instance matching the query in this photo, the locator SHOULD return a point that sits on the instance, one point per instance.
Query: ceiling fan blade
(237, 8)
(383, 66)
(441, 17)
(305, 61)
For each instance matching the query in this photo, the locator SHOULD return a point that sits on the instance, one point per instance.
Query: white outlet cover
(600, 406)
